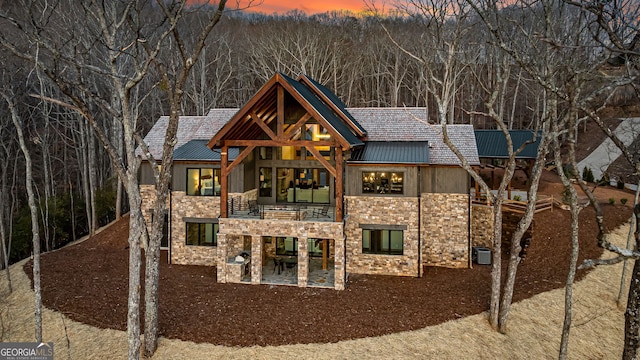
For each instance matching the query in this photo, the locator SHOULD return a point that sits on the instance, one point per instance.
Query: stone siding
(482, 226)
(391, 210)
(195, 207)
(232, 230)
(445, 230)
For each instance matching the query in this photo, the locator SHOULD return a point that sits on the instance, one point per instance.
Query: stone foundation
(391, 210)
(184, 206)
(445, 230)
(482, 226)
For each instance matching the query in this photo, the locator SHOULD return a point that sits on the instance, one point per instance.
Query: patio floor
(289, 276)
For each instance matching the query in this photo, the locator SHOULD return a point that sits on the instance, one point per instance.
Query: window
(383, 182)
(202, 234)
(386, 242)
(265, 182)
(203, 182)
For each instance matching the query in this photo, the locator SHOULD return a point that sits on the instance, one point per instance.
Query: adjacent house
(296, 188)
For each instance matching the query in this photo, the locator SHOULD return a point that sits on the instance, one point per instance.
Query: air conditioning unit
(481, 255)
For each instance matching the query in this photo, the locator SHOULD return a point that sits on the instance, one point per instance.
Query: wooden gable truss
(261, 122)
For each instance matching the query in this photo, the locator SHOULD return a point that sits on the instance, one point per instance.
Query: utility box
(481, 255)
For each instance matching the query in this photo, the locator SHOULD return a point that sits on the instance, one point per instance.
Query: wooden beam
(325, 243)
(292, 130)
(280, 110)
(240, 157)
(339, 186)
(242, 143)
(322, 160)
(262, 125)
(224, 188)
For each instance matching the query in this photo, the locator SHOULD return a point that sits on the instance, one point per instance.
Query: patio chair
(323, 212)
(253, 207)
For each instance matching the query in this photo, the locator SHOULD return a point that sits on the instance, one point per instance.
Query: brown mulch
(88, 282)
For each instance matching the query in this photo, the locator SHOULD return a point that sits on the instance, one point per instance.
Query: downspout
(419, 225)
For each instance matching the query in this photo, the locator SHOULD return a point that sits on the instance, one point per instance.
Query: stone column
(221, 258)
(256, 259)
(303, 262)
(339, 262)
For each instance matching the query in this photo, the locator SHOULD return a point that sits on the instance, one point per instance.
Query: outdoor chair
(323, 212)
(253, 207)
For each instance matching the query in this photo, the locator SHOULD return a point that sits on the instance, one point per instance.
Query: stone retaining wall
(388, 210)
(445, 230)
(482, 226)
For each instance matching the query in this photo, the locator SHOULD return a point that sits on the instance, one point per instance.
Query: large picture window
(382, 182)
(205, 182)
(386, 242)
(201, 234)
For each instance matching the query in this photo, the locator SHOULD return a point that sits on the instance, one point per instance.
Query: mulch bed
(89, 282)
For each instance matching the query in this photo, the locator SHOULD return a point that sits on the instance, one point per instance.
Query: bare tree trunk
(34, 219)
(632, 314)
(623, 279)
(91, 151)
(496, 264)
(5, 215)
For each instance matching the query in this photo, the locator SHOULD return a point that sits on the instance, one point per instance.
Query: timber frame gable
(275, 117)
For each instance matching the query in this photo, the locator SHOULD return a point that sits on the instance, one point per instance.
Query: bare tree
(17, 123)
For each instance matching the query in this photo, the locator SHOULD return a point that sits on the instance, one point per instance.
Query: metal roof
(409, 124)
(198, 150)
(324, 111)
(337, 102)
(493, 143)
(189, 128)
(392, 152)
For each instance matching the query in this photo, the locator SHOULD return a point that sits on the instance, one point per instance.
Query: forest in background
(84, 81)
(363, 59)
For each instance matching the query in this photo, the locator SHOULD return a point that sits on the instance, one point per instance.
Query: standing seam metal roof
(493, 143)
(392, 152)
(324, 111)
(198, 150)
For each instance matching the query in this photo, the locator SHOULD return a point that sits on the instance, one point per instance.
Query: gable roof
(407, 124)
(198, 150)
(325, 112)
(392, 152)
(493, 143)
(406, 128)
(332, 99)
(241, 123)
(189, 128)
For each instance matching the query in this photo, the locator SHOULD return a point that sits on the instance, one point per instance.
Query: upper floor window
(203, 182)
(383, 182)
(382, 241)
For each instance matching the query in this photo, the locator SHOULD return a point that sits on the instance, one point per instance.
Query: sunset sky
(309, 7)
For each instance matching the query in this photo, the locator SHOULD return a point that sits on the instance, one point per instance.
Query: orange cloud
(309, 7)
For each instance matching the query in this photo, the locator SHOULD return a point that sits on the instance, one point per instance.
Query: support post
(224, 191)
(339, 185)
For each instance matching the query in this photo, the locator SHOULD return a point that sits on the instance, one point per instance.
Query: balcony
(288, 212)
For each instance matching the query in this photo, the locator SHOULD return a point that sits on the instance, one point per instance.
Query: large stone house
(296, 188)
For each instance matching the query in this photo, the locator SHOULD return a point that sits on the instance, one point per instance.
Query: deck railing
(544, 202)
